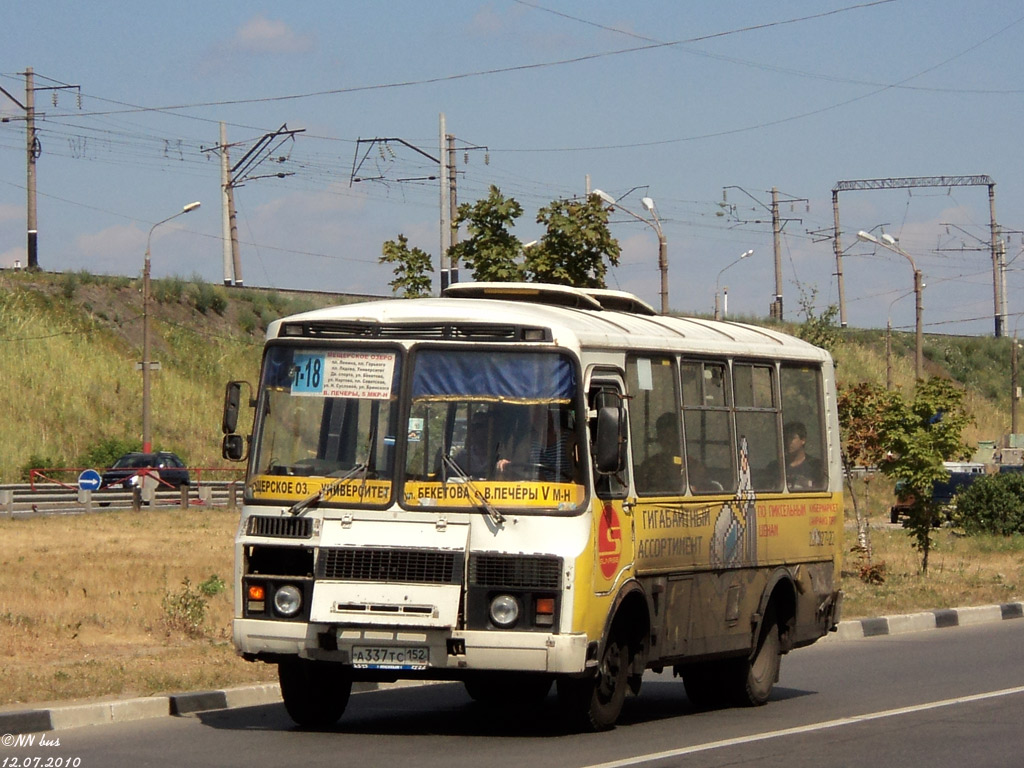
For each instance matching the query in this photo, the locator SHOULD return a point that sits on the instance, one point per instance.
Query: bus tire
(513, 690)
(760, 672)
(740, 682)
(315, 693)
(593, 703)
(704, 684)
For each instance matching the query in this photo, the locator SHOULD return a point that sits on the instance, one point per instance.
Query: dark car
(127, 470)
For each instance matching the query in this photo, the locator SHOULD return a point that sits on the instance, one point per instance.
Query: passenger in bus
(552, 449)
(479, 459)
(803, 471)
(662, 472)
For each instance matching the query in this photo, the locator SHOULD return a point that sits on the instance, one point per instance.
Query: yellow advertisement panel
(734, 532)
(525, 495)
(350, 490)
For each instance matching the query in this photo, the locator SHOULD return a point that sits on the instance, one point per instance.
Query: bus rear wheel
(315, 693)
(760, 672)
(741, 682)
(595, 702)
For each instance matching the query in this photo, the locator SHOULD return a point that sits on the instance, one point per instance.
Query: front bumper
(452, 652)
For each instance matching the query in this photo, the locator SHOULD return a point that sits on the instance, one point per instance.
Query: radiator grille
(418, 566)
(281, 527)
(515, 571)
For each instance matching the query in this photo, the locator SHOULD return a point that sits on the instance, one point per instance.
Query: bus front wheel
(315, 693)
(595, 702)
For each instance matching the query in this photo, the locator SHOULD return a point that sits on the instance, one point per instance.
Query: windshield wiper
(489, 508)
(301, 506)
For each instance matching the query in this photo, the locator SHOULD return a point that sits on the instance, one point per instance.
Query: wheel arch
(778, 601)
(629, 613)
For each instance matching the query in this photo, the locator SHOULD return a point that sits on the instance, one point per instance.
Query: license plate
(390, 657)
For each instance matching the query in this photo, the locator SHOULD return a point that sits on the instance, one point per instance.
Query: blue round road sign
(89, 480)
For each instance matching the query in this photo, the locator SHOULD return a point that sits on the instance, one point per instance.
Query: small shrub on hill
(36, 461)
(168, 290)
(205, 297)
(107, 451)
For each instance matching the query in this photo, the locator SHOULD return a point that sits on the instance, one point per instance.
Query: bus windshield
(494, 427)
(327, 414)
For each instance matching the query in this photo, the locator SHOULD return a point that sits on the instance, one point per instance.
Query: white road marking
(839, 723)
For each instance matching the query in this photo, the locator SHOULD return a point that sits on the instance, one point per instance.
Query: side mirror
(233, 448)
(608, 457)
(232, 400)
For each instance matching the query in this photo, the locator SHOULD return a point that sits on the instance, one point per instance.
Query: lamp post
(655, 223)
(889, 243)
(147, 444)
(725, 313)
(888, 340)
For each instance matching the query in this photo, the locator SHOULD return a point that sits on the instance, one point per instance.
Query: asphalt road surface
(949, 697)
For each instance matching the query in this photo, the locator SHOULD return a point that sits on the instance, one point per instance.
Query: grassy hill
(69, 344)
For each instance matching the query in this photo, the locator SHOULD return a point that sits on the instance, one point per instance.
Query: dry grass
(81, 605)
(82, 614)
(961, 571)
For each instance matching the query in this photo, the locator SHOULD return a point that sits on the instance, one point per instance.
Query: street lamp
(147, 444)
(888, 340)
(889, 243)
(725, 313)
(655, 223)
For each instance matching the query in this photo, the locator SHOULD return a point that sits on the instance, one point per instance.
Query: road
(950, 697)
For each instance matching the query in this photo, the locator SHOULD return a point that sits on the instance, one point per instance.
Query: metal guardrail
(21, 499)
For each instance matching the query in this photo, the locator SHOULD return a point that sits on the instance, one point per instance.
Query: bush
(992, 504)
(185, 611)
(107, 451)
(35, 461)
(205, 297)
(168, 290)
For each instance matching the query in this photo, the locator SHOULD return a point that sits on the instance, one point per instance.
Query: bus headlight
(504, 611)
(287, 600)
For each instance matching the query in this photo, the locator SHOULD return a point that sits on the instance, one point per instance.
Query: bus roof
(584, 318)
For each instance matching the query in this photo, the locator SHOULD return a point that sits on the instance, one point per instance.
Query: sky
(704, 107)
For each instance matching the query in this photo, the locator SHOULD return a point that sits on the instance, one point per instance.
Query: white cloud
(10, 212)
(262, 35)
(111, 250)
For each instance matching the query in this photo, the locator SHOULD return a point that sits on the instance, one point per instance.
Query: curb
(60, 717)
(918, 622)
(177, 704)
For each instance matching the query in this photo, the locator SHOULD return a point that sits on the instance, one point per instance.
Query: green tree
(491, 251)
(918, 436)
(818, 329)
(574, 246)
(861, 409)
(411, 266)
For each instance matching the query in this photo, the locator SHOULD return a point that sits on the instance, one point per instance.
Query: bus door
(614, 530)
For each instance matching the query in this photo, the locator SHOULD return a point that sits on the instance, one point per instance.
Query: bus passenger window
(710, 446)
(757, 421)
(806, 461)
(655, 426)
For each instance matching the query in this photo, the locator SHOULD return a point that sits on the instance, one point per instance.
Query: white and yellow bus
(516, 485)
